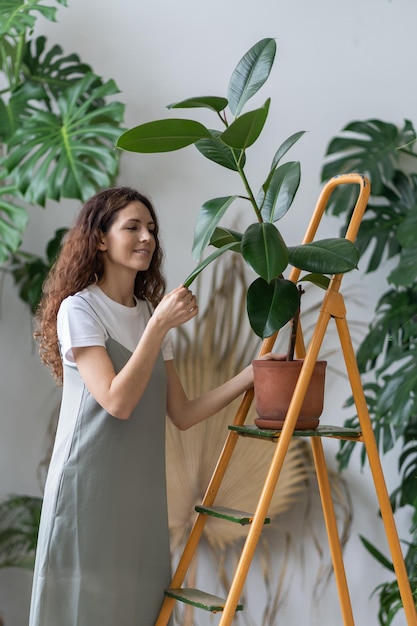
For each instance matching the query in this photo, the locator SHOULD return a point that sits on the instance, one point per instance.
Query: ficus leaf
(263, 248)
(279, 191)
(250, 74)
(210, 214)
(216, 150)
(284, 147)
(222, 236)
(214, 103)
(245, 130)
(201, 266)
(317, 279)
(327, 256)
(271, 305)
(162, 136)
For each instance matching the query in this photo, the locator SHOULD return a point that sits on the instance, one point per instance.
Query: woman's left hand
(272, 356)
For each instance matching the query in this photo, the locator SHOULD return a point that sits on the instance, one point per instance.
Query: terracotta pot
(274, 384)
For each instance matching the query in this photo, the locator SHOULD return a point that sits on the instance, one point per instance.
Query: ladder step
(339, 432)
(232, 515)
(200, 599)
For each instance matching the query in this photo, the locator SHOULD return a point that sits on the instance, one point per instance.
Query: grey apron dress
(103, 555)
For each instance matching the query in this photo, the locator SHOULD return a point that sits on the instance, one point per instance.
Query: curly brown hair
(80, 264)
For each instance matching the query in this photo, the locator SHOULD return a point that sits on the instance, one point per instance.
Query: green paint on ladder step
(200, 599)
(232, 515)
(338, 432)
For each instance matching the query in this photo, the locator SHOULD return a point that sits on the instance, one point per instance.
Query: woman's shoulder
(83, 299)
(88, 294)
(80, 310)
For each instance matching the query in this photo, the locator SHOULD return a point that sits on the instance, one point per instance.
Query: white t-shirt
(81, 320)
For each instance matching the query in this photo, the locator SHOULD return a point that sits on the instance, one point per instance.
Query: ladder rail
(275, 467)
(332, 530)
(210, 495)
(332, 307)
(377, 474)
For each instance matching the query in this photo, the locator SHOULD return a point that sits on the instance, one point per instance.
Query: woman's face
(130, 242)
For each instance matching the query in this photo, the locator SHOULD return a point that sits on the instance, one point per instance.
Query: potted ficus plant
(272, 299)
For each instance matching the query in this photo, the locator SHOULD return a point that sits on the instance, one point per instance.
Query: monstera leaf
(18, 16)
(30, 270)
(50, 68)
(68, 153)
(13, 220)
(57, 130)
(371, 147)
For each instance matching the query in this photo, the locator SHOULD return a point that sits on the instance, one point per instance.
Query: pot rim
(295, 362)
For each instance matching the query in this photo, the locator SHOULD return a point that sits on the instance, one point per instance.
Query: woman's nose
(144, 234)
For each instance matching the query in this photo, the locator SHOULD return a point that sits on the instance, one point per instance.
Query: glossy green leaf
(29, 270)
(407, 229)
(284, 147)
(279, 191)
(18, 17)
(271, 305)
(405, 274)
(210, 214)
(18, 108)
(201, 266)
(393, 320)
(250, 74)
(68, 153)
(214, 103)
(317, 279)
(5, 131)
(264, 250)
(370, 147)
(162, 136)
(13, 221)
(29, 273)
(216, 150)
(245, 130)
(54, 245)
(50, 70)
(19, 530)
(223, 236)
(327, 256)
(377, 554)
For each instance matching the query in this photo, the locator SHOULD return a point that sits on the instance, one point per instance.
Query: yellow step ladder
(333, 307)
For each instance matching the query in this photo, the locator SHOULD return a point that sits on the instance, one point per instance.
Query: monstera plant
(58, 125)
(272, 300)
(388, 353)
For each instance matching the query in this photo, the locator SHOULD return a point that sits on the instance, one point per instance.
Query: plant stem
(250, 194)
(294, 328)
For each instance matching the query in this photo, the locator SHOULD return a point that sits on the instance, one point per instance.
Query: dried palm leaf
(221, 346)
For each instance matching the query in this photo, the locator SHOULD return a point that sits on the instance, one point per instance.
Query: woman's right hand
(176, 308)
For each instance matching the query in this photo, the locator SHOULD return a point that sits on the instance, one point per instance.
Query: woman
(103, 324)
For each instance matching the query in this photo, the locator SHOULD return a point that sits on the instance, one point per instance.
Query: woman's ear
(102, 246)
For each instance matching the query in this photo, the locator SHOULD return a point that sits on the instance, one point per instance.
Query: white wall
(336, 61)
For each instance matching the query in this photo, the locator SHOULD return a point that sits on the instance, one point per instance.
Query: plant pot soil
(274, 384)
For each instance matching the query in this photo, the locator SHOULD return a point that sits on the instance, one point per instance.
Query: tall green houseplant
(388, 353)
(58, 125)
(272, 300)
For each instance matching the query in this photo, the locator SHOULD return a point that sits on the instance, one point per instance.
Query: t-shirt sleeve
(78, 327)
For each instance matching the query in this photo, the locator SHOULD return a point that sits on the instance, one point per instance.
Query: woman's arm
(119, 393)
(185, 413)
